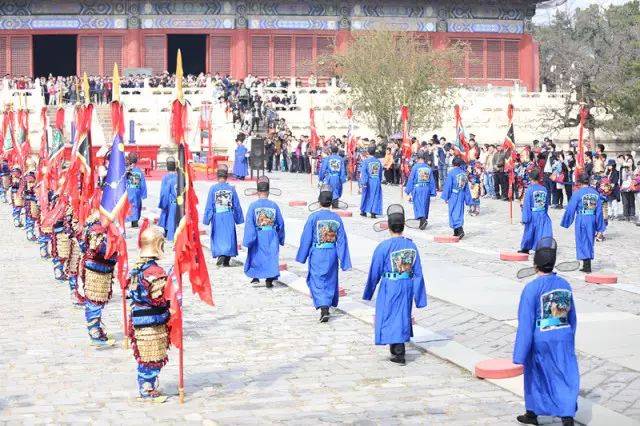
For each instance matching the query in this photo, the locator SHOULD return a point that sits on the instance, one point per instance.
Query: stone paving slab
(258, 357)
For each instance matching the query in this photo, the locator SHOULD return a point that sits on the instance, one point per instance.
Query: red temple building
(264, 38)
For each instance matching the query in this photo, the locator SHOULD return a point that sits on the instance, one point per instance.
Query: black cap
(395, 217)
(371, 150)
(262, 184)
(534, 175)
(223, 171)
(171, 164)
(583, 179)
(326, 195)
(545, 257)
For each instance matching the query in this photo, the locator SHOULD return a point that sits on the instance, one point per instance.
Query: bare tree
(386, 70)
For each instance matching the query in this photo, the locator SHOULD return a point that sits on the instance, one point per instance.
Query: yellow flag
(85, 89)
(179, 76)
(116, 84)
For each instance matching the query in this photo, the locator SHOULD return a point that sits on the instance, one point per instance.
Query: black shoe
(363, 214)
(255, 281)
(398, 359)
(460, 232)
(226, 261)
(220, 261)
(525, 251)
(134, 224)
(586, 266)
(269, 282)
(373, 216)
(324, 314)
(423, 224)
(567, 421)
(456, 232)
(528, 418)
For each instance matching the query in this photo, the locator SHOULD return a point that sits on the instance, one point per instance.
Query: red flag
(173, 294)
(189, 256)
(80, 180)
(584, 114)
(23, 122)
(314, 139)
(461, 144)
(406, 143)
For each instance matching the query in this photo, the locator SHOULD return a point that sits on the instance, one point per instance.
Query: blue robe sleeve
(467, 195)
(408, 189)
(323, 169)
(419, 291)
(446, 191)
(343, 172)
(432, 184)
(209, 211)
(364, 174)
(164, 188)
(250, 235)
(280, 226)
(526, 327)
(600, 226)
(573, 319)
(375, 272)
(526, 206)
(343, 248)
(238, 217)
(143, 186)
(570, 212)
(306, 240)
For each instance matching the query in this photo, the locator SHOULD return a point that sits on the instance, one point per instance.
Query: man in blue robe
(585, 207)
(223, 211)
(334, 173)
(545, 342)
(420, 187)
(371, 184)
(324, 244)
(396, 267)
(456, 194)
(167, 204)
(263, 236)
(241, 160)
(535, 216)
(136, 190)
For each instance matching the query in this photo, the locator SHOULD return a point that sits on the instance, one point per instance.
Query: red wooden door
(155, 53)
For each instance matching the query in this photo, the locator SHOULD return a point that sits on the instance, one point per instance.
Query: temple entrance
(55, 55)
(194, 52)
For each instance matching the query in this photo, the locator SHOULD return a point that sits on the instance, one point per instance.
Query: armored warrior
(31, 208)
(97, 278)
(16, 195)
(5, 179)
(149, 312)
(68, 254)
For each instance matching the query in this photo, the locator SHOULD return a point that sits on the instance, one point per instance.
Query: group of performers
(81, 256)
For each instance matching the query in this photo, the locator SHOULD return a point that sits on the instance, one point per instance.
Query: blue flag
(114, 203)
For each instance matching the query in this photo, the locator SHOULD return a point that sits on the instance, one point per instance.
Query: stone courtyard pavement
(261, 357)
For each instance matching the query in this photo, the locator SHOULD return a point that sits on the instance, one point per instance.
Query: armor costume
(148, 329)
(16, 195)
(46, 232)
(97, 278)
(31, 208)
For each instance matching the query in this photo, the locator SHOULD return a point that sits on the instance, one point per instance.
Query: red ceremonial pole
(406, 147)
(584, 113)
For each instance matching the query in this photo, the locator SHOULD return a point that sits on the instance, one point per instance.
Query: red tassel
(145, 224)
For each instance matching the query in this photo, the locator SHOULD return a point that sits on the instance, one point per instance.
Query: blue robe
(545, 345)
(535, 216)
(371, 184)
(240, 162)
(585, 207)
(223, 211)
(263, 236)
(167, 205)
(136, 192)
(324, 244)
(456, 192)
(396, 266)
(421, 186)
(334, 173)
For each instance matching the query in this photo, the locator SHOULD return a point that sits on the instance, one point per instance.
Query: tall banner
(584, 114)
(189, 256)
(406, 143)
(461, 142)
(509, 146)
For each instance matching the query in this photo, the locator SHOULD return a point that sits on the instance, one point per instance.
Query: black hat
(326, 195)
(534, 175)
(545, 257)
(223, 171)
(583, 179)
(371, 150)
(457, 162)
(171, 164)
(395, 218)
(334, 149)
(262, 185)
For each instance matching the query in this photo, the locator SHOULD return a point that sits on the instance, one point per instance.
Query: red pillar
(438, 40)
(529, 67)
(342, 40)
(239, 53)
(134, 56)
